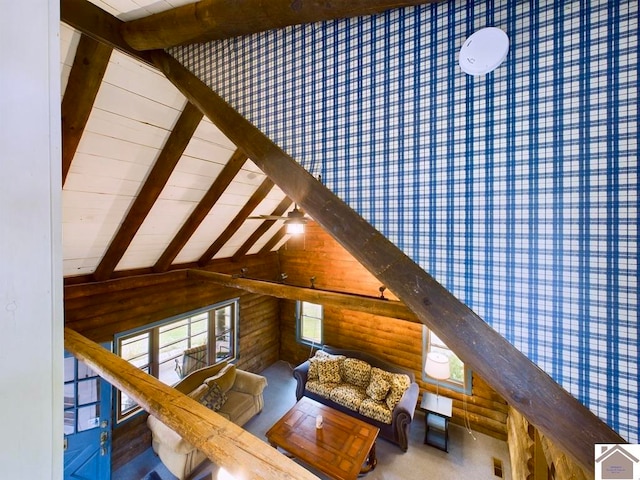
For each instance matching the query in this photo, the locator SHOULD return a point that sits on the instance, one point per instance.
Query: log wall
(317, 255)
(100, 310)
(533, 456)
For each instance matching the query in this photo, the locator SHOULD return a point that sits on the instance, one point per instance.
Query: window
(460, 379)
(309, 323)
(172, 349)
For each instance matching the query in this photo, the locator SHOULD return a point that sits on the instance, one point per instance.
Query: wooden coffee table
(343, 448)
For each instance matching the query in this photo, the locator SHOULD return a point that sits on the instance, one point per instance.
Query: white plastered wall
(31, 312)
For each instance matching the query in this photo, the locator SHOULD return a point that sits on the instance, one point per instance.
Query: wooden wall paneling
(129, 440)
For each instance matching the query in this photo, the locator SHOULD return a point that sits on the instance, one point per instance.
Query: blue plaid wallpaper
(516, 190)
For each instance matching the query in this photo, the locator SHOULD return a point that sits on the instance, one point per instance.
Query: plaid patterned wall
(516, 190)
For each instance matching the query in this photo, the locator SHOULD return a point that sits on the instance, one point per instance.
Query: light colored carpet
(470, 455)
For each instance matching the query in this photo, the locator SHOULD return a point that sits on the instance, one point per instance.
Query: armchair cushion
(225, 378)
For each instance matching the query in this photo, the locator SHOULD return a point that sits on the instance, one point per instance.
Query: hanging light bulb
(295, 222)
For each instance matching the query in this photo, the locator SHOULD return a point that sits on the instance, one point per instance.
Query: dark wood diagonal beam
(262, 229)
(218, 19)
(223, 442)
(358, 303)
(222, 181)
(89, 65)
(167, 160)
(255, 199)
(273, 241)
(568, 423)
(98, 24)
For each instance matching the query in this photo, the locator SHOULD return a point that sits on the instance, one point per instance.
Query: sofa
(233, 393)
(364, 386)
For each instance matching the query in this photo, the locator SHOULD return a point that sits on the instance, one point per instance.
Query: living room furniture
(343, 447)
(344, 395)
(241, 400)
(438, 411)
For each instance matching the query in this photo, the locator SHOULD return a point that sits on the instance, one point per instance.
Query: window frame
(153, 347)
(300, 317)
(465, 386)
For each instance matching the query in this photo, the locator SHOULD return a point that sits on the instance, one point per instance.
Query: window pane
(136, 349)
(126, 403)
(69, 395)
(223, 320)
(69, 422)
(311, 322)
(223, 347)
(88, 391)
(69, 369)
(456, 365)
(85, 371)
(88, 417)
(168, 372)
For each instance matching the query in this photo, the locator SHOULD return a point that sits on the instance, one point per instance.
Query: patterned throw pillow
(319, 356)
(399, 384)
(378, 388)
(356, 372)
(214, 398)
(329, 370)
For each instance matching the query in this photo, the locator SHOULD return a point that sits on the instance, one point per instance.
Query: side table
(436, 420)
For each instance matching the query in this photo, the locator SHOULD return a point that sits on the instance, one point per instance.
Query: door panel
(87, 423)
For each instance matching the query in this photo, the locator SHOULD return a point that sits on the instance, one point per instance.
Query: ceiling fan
(294, 221)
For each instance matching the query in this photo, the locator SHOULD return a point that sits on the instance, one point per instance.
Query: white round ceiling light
(483, 51)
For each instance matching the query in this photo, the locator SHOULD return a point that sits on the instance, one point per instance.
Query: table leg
(371, 462)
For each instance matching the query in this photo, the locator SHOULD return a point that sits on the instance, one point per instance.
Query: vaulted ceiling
(151, 182)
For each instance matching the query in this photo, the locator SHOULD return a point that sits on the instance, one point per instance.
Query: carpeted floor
(470, 454)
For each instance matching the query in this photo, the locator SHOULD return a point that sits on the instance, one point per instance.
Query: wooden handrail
(223, 442)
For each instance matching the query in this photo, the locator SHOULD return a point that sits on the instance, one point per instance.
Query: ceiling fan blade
(267, 217)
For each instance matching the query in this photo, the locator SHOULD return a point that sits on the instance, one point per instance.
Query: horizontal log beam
(223, 442)
(348, 301)
(218, 19)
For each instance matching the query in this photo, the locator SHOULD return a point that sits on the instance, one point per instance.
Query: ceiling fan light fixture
(294, 227)
(295, 222)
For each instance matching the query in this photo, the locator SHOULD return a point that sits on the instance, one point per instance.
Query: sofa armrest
(408, 402)
(251, 383)
(167, 437)
(301, 373)
(403, 415)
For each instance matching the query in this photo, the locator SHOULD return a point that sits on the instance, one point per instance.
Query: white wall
(31, 314)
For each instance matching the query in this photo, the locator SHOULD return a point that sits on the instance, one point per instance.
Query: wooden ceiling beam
(166, 162)
(220, 184)
(348, 301)
(88, 69)
(218, 19)
(223, 442)
(553, 410)
(258, 196)
(262, 229)
(91, 20)
(273, 241)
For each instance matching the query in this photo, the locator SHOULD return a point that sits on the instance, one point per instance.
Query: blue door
(87, 423)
